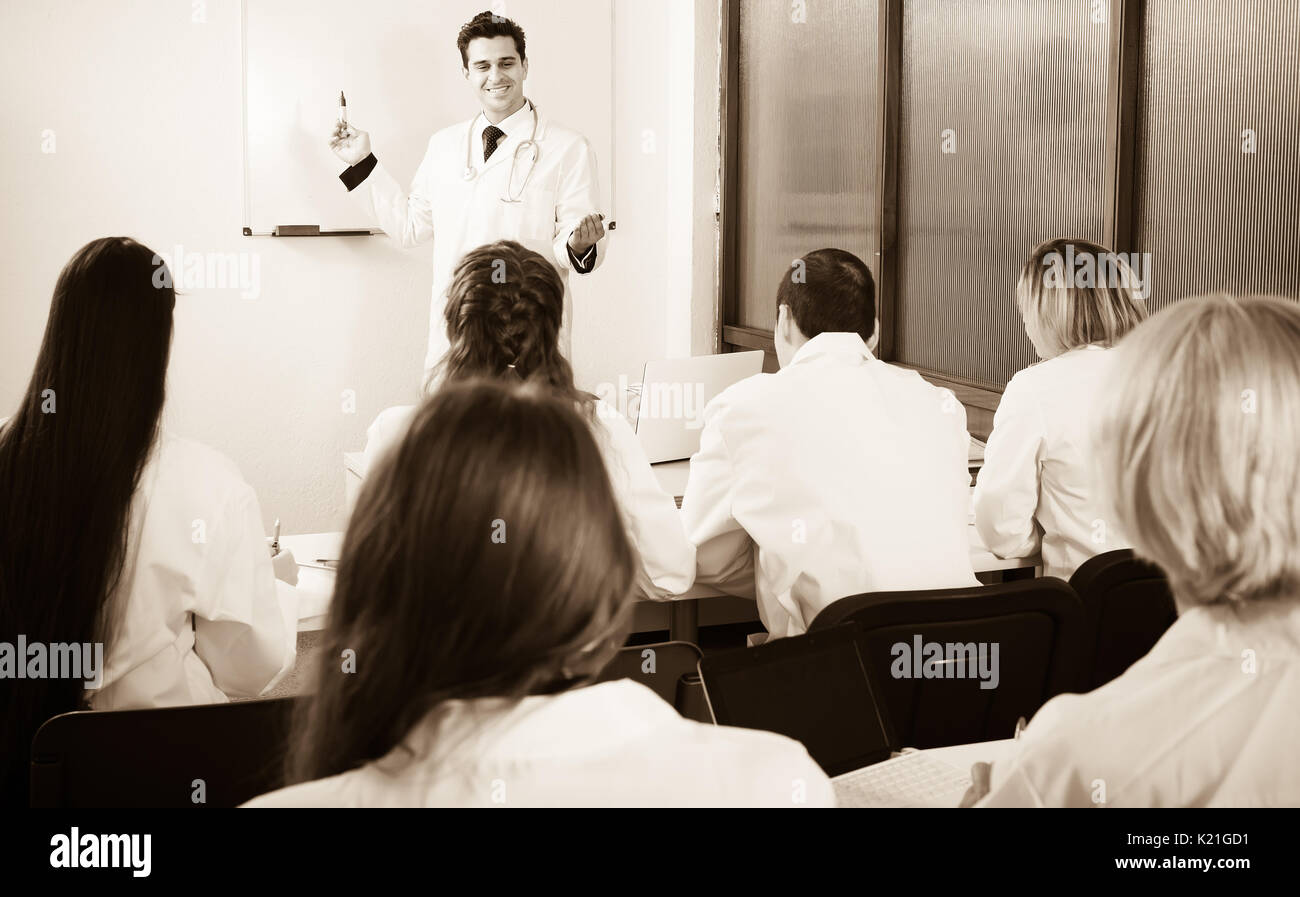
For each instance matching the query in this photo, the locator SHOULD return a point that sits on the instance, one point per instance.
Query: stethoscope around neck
(530, 144)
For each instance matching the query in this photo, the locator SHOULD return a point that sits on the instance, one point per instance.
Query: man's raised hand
(349, 144)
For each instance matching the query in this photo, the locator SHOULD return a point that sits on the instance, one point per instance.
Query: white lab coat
(201, 613)
(615, 744)
(1036, 484)
(1208, 719)
(460, 215)
(653, 522)
(844, 473)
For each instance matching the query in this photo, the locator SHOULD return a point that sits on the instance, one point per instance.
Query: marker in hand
(347, 142)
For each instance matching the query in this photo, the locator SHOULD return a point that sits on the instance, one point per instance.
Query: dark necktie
(491, 135)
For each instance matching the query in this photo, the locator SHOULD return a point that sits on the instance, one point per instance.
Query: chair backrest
(669, 669)
(152, 758)
(1036, 626)
(1127, 607)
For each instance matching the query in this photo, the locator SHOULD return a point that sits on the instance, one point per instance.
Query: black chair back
(669, 669)
(163, 757)
(1036, 626)
(1127, 607)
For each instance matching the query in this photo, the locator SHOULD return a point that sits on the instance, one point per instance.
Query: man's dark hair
(488, 24)
(829, 291)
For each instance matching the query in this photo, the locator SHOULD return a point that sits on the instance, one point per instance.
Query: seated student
(844, 473)
(1034, 488)
(504, 312)
(485, 580)
(1197, 450)
(113, 532)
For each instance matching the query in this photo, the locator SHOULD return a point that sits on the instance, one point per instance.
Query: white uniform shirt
(1035, 487)
(846, 474)
(616, 744)
(653, 522)
(201, 613)
(1208, 718)
(460, 215)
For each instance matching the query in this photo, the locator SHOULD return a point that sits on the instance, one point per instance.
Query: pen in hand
(282, 560)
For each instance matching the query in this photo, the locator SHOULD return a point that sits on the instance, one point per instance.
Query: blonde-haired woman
(1077, 300)
(1197, 451)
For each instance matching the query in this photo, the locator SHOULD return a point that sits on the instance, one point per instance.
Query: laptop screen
(812, 688)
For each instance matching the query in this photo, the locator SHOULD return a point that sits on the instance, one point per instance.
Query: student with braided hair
(504, 313)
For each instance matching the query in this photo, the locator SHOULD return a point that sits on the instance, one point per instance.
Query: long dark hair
(486, 558)
(70, 462)
(504, 313)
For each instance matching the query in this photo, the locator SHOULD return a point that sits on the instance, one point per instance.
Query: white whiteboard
(397, 62)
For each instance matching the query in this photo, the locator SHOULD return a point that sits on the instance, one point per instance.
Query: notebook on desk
(815, 689)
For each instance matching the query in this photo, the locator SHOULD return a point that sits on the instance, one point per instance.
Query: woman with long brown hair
(485, 580)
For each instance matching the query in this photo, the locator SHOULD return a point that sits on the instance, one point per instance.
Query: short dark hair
(829, 291)
(488, 24)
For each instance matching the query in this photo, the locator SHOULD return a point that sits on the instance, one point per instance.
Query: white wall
(144, 108)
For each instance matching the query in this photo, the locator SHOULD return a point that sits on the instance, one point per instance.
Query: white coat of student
(503, 315)
(486, 579)
(1196, 453)
(842, 473)
(509, 173)
(115, 531)
(1035, 489)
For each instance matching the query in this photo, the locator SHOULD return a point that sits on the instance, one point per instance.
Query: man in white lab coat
(843, 474)
(509, 173)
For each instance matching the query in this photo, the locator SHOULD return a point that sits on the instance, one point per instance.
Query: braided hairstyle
(504, 312)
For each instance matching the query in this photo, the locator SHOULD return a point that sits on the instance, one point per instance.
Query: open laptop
(815, 689)
(670, 412)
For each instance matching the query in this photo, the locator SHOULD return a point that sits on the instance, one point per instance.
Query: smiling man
(509, 173)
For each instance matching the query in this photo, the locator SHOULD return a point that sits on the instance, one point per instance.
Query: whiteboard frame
(247, 227)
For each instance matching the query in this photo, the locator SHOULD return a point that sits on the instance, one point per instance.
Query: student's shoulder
(1101, 718)
(1072, 368)
(913, 388)
(752, 743)
(335, 791)
(611, 420)
(615, 436)
(198, 472)
(195, 463)
(743, 394)
(901, 378)
(1032, 388)
(753, 766)
(387, 430)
